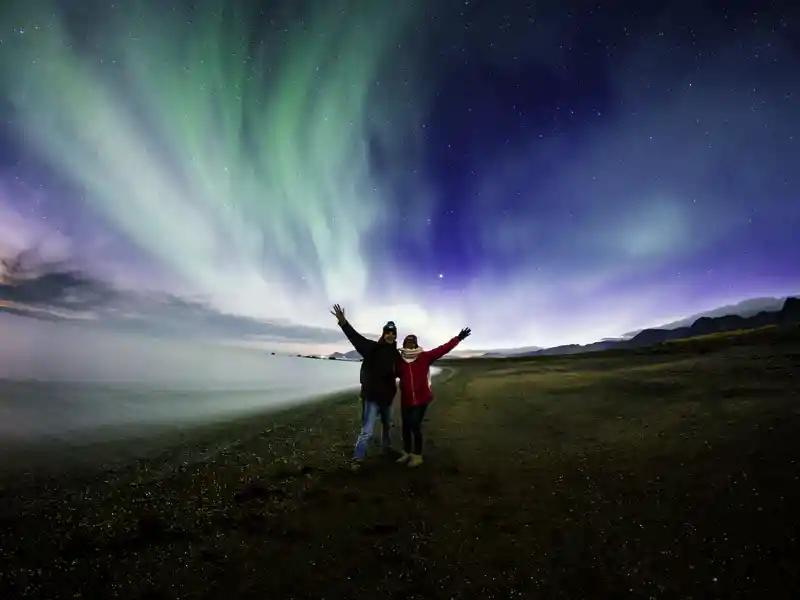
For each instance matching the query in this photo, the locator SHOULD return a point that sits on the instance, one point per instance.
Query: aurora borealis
(542, 175)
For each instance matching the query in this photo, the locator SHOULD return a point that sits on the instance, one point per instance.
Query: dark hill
(789, 314)
(745, 308)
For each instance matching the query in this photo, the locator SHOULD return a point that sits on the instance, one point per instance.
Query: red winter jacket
(414, 386)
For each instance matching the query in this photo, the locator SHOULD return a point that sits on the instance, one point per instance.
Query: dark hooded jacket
(378, 375)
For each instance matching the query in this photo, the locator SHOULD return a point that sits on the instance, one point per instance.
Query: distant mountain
(465, 353)
(745, 308)
(511, 351)
(574, 349)
(787, 314)
(352, 355)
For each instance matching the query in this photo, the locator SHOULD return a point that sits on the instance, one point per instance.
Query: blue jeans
(370, 411)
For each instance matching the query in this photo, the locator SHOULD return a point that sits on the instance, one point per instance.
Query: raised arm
(436, 353)
(360, 343)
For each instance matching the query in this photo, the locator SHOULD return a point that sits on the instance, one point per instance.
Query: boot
(416, 460)
(404, 458)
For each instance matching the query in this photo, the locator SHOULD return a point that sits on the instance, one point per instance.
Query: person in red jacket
(414, 369)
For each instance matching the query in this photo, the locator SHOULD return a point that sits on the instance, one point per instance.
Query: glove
(464, 333)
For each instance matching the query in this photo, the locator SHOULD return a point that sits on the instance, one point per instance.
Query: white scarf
(410, 354)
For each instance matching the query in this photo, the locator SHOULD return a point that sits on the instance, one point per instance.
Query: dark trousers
(412, 428)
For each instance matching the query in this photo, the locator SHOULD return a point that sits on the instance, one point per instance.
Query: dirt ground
(665, 473)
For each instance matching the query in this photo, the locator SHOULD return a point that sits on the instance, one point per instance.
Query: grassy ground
(668, 472)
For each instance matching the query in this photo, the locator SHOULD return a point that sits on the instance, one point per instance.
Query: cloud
(54, 298)
(45, 291)
(167, 315)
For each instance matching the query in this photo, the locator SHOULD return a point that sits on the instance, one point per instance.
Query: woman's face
(410, 343)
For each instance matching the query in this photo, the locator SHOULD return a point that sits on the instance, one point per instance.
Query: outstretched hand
(464, 333)
(338, 312)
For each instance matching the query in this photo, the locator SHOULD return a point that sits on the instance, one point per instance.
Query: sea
(130, 388)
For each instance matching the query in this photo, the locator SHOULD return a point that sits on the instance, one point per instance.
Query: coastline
(183, 444)
(24, 463)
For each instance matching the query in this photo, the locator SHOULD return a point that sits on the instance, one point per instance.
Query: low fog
(64, 380)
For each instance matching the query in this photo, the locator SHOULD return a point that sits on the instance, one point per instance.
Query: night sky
(542, 174)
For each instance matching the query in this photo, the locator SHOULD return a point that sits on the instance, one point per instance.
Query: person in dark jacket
(414, 371)
(378, 382)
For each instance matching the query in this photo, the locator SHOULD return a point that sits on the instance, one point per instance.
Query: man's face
(389, 336)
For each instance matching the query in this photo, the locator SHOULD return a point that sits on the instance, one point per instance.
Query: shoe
(355, 465)
(404, 458)
(416, 460)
